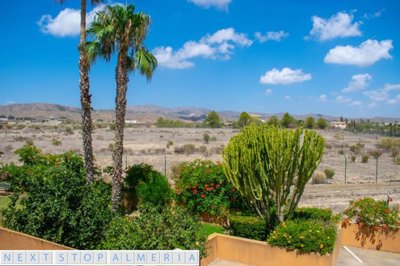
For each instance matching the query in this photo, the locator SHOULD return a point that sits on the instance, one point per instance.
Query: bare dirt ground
(164, 148)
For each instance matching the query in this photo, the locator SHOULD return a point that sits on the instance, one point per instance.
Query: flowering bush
(373, 213)
(305, 236)
(203, 188)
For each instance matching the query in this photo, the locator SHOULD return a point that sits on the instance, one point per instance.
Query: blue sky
(330, 57)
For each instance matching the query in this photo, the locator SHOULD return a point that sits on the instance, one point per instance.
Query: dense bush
(59, 205)
(364, 158)
(155, 228)
(203, 188)
(144, 184)
(252, 227)
(329, 172)
(305, 236)
(319, 177)
(373, 213)
(313, 214)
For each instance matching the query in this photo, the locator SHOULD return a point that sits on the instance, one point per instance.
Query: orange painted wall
(12, 240)
(353, 236)
(258, 253)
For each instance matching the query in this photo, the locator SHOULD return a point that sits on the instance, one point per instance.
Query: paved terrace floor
(348, 256)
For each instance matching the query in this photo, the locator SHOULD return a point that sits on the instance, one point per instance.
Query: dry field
(164, 148)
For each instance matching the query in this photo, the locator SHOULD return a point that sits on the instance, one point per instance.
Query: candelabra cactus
(270, 167)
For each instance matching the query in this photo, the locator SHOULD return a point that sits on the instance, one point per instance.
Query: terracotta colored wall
(258, 253)
(352, 236)
(12, 240)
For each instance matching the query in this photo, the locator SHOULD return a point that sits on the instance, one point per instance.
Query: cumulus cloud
(355, 103)
(219, 4)
(67, 22)
(386, 94)
(271, 36)
(368, 53)
(284, 76)
(219, 45)
(339, 25)
(358, 83)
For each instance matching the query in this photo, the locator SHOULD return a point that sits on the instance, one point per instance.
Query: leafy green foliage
(244, 120)
(213, 120)
(310, 122)
(305, 236)
(203, 188)
(329, 172)
(322, 123)
(252, 227)
(60, 206)
(324, 215)
(162, 228)
(206, 138)
(144, 184)
(273, 121)
(370, 212)
(287, 120)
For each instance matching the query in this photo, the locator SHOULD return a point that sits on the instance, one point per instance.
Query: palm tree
(117, 29)
(86, 104)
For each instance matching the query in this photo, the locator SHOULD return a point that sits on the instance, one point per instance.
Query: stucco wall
(12, 240)
(258, 253)
(354, 236)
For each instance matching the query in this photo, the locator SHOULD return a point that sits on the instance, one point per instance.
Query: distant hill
(143, 113)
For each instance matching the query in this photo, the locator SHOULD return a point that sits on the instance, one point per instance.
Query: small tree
(321, 123)
(287, 119)
(213, 120)
(270, 167)
(273, 121)
(244, 119)
(310, 122)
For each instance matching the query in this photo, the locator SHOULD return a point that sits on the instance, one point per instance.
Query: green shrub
(252, 227)
(203, 188)
(156, 228)
(341, 152)
(388, 144)
(355, 149)
(375, 153)
(370, 212)
(364, 158)
(56, 142)
(305, 236)
(353, 158)
(155, 189)
(69, 131)
(329, 172)
(60, 206)
(144, 184)
(206, 138)
(313, 214)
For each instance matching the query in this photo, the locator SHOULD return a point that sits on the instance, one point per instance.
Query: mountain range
(143, 113)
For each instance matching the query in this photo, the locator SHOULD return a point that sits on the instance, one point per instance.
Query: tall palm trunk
(85, 98)
(120, 110)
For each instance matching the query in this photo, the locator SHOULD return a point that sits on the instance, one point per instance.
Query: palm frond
(145, 62)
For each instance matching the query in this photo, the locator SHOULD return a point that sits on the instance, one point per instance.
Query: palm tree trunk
(85, 98)
(120, 110)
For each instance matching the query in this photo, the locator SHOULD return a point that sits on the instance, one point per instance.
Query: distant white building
(132, 122)
(338, 124)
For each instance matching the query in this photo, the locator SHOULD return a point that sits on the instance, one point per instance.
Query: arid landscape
(164, 148)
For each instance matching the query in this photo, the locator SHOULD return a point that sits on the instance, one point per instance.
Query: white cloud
(322, 98)
(368, 53)
(355, 103)
(391, 87)
(358, 83)
(342, 99)
(219, 4)
(67, 22)
(376, 14)
(284, 76)
(219, 45)
(287, 97)
(271, 36)
(373, 105)
(385, 94)
(339, 25)
(268, 92)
